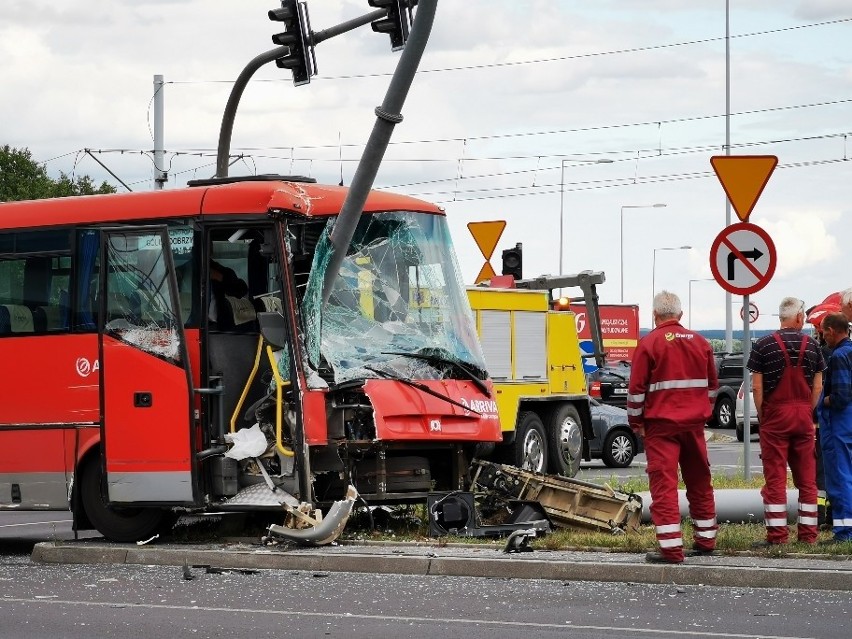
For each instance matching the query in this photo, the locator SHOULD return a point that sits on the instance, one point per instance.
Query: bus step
(260, 495)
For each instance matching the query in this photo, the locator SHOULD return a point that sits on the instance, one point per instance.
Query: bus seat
(64, 310)
(52, 317)
(185, 300)
(39, 319)
(241, 309)
(17, 317)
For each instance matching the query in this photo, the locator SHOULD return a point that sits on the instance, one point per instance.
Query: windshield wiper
(421, 387)
(451, 362)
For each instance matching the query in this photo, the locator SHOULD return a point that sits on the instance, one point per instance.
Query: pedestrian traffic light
(397, 21)
(297, 38)
(513, 261)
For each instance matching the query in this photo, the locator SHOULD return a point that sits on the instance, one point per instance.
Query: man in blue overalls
(835, 415)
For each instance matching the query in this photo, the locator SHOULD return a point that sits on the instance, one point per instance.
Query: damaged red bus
(171, 351)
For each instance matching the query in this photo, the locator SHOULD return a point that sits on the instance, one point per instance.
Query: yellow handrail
(279, 385)
(245, 393)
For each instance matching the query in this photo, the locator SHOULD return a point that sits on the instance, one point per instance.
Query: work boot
(658, 558)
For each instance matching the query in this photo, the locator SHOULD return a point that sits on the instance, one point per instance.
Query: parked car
(609, 384)
(614, 441)
(755, 424)
(729, 368)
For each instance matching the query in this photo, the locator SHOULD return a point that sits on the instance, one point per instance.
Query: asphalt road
(725, 452)
(80, 601)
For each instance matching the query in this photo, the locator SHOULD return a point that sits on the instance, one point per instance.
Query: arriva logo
(482, 406)
(86, 368)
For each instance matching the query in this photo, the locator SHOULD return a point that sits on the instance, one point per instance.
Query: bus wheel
(566, 440)
(530, 443)
(118, 524)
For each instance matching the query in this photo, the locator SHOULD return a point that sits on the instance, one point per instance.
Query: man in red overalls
(673, 386)
(787, 379)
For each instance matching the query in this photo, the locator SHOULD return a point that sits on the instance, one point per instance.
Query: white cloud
(803, 240)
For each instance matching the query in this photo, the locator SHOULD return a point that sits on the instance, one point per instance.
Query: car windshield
(397, 306)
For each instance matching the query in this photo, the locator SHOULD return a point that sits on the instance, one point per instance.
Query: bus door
(146, 385)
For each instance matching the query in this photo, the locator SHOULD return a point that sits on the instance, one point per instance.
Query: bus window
(34, 282)
(243, 279)
(138, 294)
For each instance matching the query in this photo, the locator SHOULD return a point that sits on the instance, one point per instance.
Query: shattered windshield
(397, 307)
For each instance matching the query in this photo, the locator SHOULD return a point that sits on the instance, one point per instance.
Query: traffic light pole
(226, 130)
(387, 117)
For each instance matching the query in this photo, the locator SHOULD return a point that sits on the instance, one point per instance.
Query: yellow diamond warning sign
(743, 177)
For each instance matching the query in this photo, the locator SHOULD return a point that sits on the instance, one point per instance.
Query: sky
(566, 119)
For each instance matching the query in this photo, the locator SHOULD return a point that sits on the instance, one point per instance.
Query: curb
(499, 566)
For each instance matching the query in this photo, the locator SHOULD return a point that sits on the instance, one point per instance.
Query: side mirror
(274, 329)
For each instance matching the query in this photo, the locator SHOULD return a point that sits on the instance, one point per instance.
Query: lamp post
(704, 279)
(658, 205)
(562, 198)
(654, 263)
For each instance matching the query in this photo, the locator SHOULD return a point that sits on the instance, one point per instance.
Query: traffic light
(297, 38)
(513, 261)
(397, 21)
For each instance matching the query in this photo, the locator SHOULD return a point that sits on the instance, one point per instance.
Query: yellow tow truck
(534, 359)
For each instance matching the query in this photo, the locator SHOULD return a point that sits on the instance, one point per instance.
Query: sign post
(736, 257)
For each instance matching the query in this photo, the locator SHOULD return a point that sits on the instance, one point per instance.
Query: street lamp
(659, 205)
(704, 279)
(654, 263)
(562, 197)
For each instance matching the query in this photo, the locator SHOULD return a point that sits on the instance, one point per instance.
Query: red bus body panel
(152, 439)
(404, 413)
(51, 379)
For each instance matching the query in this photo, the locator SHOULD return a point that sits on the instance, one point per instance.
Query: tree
(22, 178)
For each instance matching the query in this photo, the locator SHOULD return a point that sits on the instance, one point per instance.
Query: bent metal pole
(387, 116)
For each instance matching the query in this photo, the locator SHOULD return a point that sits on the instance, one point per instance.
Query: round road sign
(753, 313)
(743, 258)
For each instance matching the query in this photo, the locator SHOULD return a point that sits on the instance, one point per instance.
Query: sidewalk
(816, 572)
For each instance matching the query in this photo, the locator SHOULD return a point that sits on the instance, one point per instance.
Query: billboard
(619, 329)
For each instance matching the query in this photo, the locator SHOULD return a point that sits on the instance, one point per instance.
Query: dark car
(609, 384)
(729, 368)
(614, 441)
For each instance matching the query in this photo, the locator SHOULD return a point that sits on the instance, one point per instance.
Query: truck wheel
(118, 524)
(566, 440)
(619, 449)
(530, 443)
(723, 413)
(740, 432)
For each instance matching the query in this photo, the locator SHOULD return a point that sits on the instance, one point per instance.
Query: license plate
(620, 391)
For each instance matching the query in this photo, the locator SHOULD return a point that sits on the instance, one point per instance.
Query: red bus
(131, 331)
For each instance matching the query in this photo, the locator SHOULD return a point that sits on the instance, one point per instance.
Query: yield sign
(743, 258)
(486, 235)
(743, 177)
